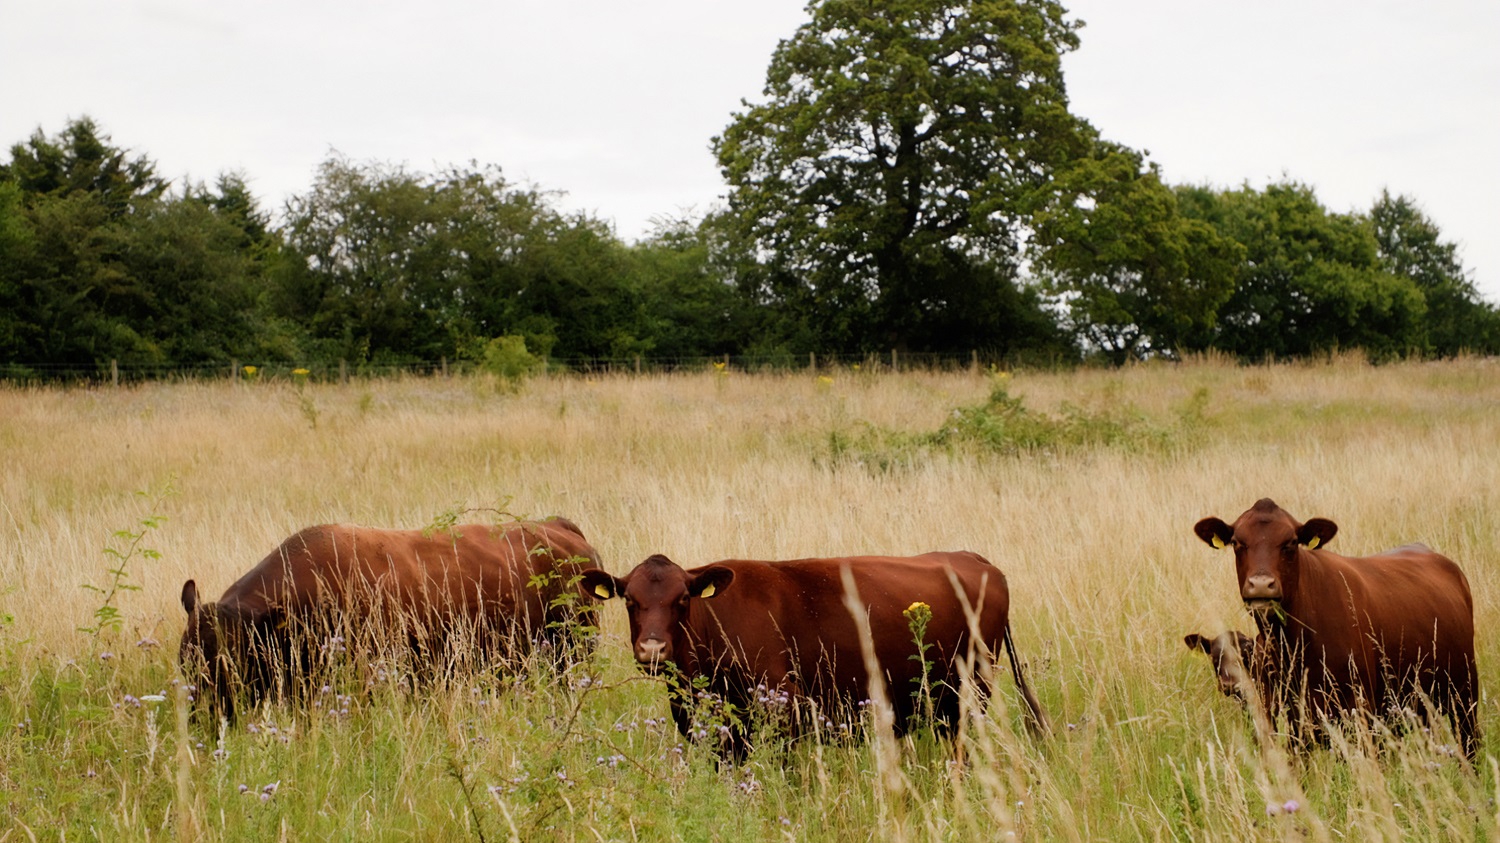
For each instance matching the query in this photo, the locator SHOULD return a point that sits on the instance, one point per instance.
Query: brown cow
(456, 592)
(1229, 653)
(1342, 634)
(779, 632)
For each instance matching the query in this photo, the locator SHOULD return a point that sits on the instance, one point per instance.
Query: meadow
(1081, 486)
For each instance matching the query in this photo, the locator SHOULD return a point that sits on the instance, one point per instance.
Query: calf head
(1268, 545)
(658, 597)
(1231, 653)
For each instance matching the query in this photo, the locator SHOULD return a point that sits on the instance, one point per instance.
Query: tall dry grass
(1095, 540)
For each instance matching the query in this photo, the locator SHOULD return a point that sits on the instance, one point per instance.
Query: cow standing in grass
(455, 595)
(1341, 634)
(780, 633)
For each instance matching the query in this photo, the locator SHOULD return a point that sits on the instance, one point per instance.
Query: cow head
(1231, 653)
(1268, 545)
(658, 598)
(199, 655)
(223, 651)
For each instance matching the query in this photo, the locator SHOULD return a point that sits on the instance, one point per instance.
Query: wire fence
(115, 372)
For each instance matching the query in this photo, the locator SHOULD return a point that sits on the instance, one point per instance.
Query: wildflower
(249, 371)
(244, 788)
(719, 366)
(148, 643)
(300, 373)
(918, 610)
(106, 656)
(1290, 806)
(154, 698)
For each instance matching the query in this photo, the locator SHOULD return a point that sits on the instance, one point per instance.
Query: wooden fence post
(114, 371)
(343, 370)
(894, 367)
(234, 370)
(638, 365)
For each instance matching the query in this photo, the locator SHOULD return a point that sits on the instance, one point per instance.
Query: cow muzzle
(1260, 589)
(651, 654)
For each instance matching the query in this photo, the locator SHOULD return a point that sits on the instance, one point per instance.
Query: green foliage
(875, 194)
(1311, 282)
(507, 359)
(1410, 246)
(126, 545)
(98, 261)
(1004, 425)
(1138, 277)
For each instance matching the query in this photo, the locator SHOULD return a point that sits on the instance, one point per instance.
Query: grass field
(1083, 487)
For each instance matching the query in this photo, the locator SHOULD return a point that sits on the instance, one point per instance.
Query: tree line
(912, 179)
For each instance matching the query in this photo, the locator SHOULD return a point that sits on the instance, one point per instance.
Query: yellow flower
(916, 607)
(719, 366)
(301, 373)
(250, 371)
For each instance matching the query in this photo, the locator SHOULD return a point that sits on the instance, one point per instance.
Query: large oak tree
(880, 190)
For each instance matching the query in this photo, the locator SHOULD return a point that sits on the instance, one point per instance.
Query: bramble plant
(107, 615)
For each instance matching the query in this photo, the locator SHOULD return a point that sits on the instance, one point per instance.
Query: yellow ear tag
(601, 591)
(1218, 543)
(1312, 543)
(708, 591)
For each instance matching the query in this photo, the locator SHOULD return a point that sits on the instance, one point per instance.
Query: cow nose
(1261, 587)
(649, 650)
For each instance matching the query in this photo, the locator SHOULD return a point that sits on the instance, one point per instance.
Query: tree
(1137, 276)
(1311, 282)
(688, 310)
(879, 192)
(1410, 246)
(81, 160)
(389, 265)
(99, 260)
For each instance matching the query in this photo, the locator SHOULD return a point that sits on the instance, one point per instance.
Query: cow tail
(1036, 719)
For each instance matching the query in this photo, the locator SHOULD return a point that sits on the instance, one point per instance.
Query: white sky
(614, 103)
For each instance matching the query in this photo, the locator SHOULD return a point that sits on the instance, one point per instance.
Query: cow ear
(711, 581)
(1214, 532)
(599, 585)
(1246, 645)
(1317, 532)
(190, 596)
(1194, 641)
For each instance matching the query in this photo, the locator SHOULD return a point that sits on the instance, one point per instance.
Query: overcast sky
(614, 103)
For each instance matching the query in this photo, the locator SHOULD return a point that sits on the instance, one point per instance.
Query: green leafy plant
(508, 359)
(918, 615)
(125, 545)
